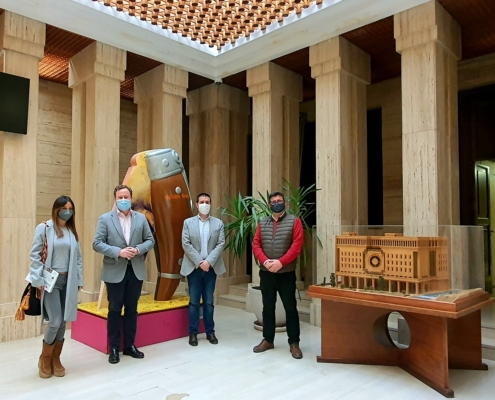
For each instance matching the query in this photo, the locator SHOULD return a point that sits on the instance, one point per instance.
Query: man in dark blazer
(123, 237)
(203, 239)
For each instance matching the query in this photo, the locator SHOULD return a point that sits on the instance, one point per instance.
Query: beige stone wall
(128, 136)
(54, 137)
(218, 131)
(54, 152)
(22, 43)
(276, 94)
(387, 96)
(53, 146)
(476, 72)
(472, 73)
(53, 177)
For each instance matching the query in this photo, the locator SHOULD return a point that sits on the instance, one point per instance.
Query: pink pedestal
(156, 327)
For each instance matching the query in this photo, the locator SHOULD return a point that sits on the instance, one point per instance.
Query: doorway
(477, 166)
(484, 217)
(375, 167)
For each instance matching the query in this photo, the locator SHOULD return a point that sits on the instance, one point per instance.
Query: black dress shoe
(212, 339)
(133, 352)
(113, 357)
(193, 340)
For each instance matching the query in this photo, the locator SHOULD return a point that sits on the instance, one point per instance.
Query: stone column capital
(22, 34)
(270, 77)
(338, 54)
(97, 59)
(427, 23)
(218, 96)
(158, 94)
(161, 79)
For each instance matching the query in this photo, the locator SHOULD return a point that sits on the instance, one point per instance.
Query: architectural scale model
(394, 263)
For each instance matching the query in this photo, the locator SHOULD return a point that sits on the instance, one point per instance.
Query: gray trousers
(54, 303)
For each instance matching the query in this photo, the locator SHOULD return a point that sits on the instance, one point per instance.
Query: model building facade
(410, 265)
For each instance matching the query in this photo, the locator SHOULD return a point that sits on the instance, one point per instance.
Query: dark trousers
(201, 285)
(285, 285)
(123, 294)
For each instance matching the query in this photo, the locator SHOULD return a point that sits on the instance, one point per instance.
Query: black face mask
(277, 207)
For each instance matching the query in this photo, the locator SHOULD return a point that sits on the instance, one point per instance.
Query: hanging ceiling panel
(212, 23)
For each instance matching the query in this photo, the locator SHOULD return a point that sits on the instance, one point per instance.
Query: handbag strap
(44, 252)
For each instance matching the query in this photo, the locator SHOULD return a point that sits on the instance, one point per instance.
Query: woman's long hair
(70, 223)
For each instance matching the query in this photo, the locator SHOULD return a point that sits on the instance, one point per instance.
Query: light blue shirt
(204, 232)
(61, 252)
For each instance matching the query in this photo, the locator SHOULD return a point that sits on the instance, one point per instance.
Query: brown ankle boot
(45, 361)
(57, 367)
(295, 351)
(263, 346)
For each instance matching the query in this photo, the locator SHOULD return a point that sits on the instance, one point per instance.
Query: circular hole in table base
(391, 330)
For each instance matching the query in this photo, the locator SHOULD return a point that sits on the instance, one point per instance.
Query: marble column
(158, 94)
(22, 42)
(218, 141)
(276, 94)
(429, 41)
(342, 72)
(95, 75)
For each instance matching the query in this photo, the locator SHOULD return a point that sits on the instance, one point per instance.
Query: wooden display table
(443, 334)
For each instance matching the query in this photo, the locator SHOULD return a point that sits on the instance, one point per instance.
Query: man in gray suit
(203, 239)
(123, 237)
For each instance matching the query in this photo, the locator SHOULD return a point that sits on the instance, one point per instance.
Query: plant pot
(257, 304)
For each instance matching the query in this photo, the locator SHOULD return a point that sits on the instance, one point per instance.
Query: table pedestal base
(357, 334)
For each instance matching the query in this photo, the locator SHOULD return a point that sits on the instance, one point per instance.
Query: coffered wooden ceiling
(214, 23)
(476, 18)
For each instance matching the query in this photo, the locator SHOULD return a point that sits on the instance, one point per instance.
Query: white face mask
(204, 208)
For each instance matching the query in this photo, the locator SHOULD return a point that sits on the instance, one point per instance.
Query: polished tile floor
(227, 371)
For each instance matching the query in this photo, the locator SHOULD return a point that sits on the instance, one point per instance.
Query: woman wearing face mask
(64, 256)
(203, 239)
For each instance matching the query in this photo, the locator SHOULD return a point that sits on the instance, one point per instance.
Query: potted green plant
(241, 218)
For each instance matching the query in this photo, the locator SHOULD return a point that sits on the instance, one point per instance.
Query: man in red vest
(277, 244)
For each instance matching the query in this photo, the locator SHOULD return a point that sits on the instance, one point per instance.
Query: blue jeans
(201, 284)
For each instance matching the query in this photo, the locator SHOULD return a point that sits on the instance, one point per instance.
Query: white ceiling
(317, 23)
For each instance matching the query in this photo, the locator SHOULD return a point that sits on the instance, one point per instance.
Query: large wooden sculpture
(161, 193)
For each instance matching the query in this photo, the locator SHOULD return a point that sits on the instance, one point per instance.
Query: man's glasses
(272, 203)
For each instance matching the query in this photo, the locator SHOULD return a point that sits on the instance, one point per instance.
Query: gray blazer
(109, 240)
(74, 276)
(191, 243)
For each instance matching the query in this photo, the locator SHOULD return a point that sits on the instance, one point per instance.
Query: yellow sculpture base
(157, 322)
(146, 304)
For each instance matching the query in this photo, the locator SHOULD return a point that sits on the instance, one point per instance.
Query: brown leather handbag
(31, 297)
